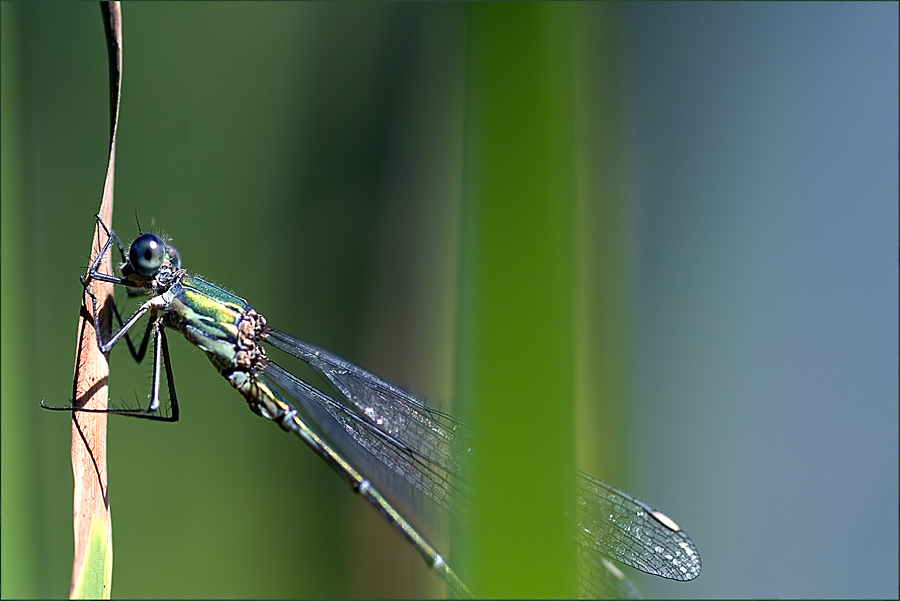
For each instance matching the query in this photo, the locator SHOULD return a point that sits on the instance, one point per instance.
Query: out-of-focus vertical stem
(604, 253)
(515, 352)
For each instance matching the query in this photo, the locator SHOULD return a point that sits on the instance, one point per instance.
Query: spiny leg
(161, 360)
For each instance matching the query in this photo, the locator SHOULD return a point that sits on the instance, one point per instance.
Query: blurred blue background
(310, 157)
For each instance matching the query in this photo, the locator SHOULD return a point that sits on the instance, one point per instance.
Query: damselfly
(374, 434)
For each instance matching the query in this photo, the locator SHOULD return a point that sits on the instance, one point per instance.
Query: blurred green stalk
(17, 574)
(515, 334)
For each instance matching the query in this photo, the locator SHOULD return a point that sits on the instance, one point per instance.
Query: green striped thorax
(221, 324)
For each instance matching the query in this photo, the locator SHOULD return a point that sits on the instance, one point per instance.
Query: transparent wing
(628, 530)
(413, 439)
(418, 443)
(312, 422)
(599, 578)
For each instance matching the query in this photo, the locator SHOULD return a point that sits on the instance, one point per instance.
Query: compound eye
(147, 254)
